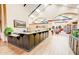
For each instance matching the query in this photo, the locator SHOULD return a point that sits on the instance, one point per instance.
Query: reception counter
(28, 40)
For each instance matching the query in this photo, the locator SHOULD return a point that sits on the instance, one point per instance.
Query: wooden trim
(4, 10)
(3, 14)
(1, 17)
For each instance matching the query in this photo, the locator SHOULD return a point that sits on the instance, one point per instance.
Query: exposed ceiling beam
(34, 9)
(24, 5)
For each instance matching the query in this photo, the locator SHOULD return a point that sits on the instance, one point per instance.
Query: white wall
(17, 12)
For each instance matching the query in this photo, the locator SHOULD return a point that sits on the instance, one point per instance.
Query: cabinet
(28, 42)
(18, 41)
(12, 40)
(31, 41)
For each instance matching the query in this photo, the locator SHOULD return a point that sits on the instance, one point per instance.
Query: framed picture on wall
(19, 24)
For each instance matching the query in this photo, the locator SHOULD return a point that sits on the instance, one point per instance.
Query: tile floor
(57, 44)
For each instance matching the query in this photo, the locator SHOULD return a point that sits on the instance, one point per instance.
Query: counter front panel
(28, 41)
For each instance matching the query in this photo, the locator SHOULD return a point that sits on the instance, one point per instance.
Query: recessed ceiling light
(65, 4)
(38, 10)
(45, 5)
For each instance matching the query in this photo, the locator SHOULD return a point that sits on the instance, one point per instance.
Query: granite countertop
(30, 32)
(14, 35)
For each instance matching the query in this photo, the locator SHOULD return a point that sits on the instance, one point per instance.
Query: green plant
(8, 31)
(75, 33)
(49, 28)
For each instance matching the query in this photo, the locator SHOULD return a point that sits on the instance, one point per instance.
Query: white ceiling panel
(30, 7)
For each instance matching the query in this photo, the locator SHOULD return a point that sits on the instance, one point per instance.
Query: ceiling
(69, 5)
(30, 7)
(42, 9)
(33, 7)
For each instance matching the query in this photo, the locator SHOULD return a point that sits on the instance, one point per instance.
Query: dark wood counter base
(28, 41)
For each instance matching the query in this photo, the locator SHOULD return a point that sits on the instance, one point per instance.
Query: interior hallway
(56, 44)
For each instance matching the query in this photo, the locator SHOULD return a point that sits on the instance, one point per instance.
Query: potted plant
(8, 31)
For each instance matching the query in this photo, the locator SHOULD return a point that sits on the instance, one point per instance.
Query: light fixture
(65, 4)
(45, 5)
(32, 16)
(38, 10)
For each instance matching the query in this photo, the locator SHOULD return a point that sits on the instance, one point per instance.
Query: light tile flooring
(57, 44)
